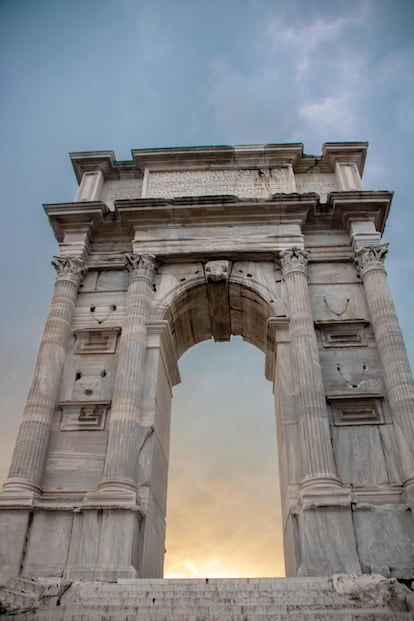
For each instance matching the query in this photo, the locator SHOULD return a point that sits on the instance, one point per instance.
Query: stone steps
(347, 598)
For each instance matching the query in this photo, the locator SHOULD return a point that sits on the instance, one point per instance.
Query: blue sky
(122, 74)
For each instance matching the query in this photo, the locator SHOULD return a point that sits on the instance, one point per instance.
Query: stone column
(127, 436)
(26, 468)
(318, 459)
(398, 379)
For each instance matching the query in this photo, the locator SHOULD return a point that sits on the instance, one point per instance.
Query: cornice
(74, 216)
(333, 152)
(104, 161)
(221, 156)
(350, 205)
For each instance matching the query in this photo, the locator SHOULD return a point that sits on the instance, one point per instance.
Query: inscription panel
(322, 184)
(249, 183)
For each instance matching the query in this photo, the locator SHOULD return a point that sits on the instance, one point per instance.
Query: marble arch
(177, 246)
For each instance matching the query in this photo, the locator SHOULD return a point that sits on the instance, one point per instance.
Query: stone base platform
(341, 597)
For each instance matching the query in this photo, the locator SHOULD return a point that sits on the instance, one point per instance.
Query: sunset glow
(223, 516)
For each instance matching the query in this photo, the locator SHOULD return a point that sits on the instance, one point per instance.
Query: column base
(408, 491)
(17, 484)
(323, 490)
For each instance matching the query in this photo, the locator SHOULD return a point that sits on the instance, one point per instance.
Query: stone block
(384, 536)
(13, 530)
(48, 543)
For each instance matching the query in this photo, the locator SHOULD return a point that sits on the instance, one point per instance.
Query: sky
(125, 74)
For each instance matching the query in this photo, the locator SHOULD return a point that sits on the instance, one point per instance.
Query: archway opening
(223, 510)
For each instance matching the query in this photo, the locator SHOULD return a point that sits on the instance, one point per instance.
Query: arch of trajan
(181, 245)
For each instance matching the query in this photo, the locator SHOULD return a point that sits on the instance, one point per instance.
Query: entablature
(224, 224)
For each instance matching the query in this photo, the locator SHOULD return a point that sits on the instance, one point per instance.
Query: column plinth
(391, 349)
(126, 435)
(318, 460)
(26, 468)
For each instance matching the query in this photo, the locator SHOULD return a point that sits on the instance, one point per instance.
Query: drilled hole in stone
(92, 308)
(197, 271)
(88, 391)
(249, 275)
(103, 373)
(240, 271)
(113, 307)
(154, 288)
(271, 301)
(99, 321)
(78, 376)
(354, 385)
(182, 279)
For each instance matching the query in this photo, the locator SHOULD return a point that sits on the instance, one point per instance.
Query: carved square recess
(357, 409)
(88, 416)
(96, 341)
(346, 333)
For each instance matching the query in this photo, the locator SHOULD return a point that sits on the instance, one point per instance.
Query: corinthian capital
(68, 268)
(371, 258)
(141, 266)
(294, 260)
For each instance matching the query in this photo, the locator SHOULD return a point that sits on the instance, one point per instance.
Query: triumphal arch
(180, 245)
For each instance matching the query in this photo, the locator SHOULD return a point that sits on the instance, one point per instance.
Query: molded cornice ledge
(104, 161)
(348, 206)
(333, 152)
(73, 224)
(221, 156)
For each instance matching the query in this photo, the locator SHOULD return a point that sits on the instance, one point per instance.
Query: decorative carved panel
(348, 409)
(88, 416)
(347, 333)
(96, 341)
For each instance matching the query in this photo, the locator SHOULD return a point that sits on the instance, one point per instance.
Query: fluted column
(30, 450)
(317, 449)
(126, 435)
(391, 349)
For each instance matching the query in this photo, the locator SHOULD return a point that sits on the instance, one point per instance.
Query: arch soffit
(251, 304)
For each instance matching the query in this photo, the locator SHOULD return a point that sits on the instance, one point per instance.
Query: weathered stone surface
(161, 253)
(261, 182)
(346, 597)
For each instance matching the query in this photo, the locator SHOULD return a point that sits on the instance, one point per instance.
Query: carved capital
(72, 269)
(140, 266)
(294, 260)
(217, 271)
(371, 258)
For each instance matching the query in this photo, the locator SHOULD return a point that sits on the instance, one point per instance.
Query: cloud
(332, 114)
(305, 79)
